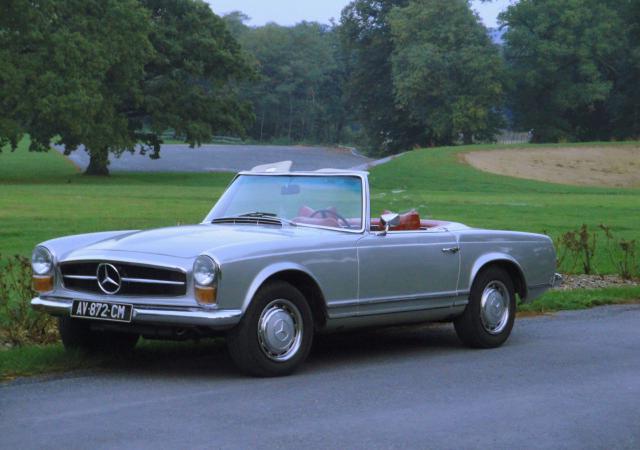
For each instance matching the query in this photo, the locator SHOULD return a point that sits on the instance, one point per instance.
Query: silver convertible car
(282, 256)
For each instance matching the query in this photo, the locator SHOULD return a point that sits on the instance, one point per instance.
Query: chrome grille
(137, 280)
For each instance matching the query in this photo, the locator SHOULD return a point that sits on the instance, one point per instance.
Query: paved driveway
(229, 158)
(566, 381)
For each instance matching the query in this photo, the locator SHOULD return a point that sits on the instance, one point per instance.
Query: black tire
(470, 326)
(76, 334)
(248, 350)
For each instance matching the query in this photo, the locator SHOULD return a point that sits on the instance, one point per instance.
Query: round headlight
(41, 261)
(204, 271)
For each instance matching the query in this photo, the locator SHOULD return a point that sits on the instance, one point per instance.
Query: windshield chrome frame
(363, 192)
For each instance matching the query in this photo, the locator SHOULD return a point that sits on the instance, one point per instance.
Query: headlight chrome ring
(41, 261)
(205, 271)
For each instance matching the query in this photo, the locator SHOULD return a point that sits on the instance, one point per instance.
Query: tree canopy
(445, 70)
(298, 94)
(366, 39)
(572, 66)
(112, 74)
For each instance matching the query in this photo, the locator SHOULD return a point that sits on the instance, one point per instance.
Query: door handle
(452, 250)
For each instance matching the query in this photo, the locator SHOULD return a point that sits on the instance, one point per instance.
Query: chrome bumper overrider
(178, 317)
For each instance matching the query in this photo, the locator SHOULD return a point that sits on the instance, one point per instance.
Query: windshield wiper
(259, 215)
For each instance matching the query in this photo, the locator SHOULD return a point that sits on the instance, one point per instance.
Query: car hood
(190, 241)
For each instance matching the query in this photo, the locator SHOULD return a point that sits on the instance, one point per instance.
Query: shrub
(580, 246)
(19, 324)
(622, 254)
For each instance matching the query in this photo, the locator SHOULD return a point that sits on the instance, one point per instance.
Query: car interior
(330, 217)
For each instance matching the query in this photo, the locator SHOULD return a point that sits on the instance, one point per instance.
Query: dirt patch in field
(581, 166)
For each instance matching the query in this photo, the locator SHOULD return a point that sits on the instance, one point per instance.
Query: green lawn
(44, 196)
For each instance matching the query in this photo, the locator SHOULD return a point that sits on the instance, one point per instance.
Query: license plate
(113, 312)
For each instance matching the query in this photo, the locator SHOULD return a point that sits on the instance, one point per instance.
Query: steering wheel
(329, 212)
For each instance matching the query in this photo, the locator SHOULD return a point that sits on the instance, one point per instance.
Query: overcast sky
(290, 12)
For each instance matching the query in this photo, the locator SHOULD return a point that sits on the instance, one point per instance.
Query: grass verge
(50, 359)
(581, 299)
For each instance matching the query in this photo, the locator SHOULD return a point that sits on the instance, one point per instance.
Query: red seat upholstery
(307, 211)
(305, 214)
(319, 221)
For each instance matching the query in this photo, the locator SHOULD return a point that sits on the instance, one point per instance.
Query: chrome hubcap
(495, 307)
(280, 330)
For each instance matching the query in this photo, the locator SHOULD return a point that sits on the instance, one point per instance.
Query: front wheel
(488, 318)
(275, 335)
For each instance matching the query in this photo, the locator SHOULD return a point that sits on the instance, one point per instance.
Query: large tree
(68, 66)
(445, 70)
(366, 38)
(624, 103)
(112, 75)
(567, 60)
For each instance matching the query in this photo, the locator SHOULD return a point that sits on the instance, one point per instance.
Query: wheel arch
(505, 262)
(298, 277)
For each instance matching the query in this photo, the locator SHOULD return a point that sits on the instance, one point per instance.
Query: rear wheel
(275, 334)
(488, 318)
(76, 334)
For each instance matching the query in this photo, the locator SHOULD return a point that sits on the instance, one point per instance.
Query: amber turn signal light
(42, 283)
(206, 295)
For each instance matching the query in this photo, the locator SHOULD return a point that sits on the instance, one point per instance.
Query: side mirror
(389, 220)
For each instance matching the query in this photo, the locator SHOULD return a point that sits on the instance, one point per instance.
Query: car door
(407, 270)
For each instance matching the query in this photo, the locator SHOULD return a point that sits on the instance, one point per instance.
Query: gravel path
(227, 158)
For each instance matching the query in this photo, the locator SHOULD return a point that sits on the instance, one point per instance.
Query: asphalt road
(228, 158)
(571, 380)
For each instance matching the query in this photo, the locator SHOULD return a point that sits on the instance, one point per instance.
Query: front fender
(268, 272)
(61, 247)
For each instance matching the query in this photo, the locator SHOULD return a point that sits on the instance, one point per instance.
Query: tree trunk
(467, 138)
(99, 163)
(290, 118)
(262, 123)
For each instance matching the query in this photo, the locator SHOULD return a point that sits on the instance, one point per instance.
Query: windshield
(324, 201)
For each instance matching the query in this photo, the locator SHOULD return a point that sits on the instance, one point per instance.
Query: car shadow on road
(209, 358)
(386, 343)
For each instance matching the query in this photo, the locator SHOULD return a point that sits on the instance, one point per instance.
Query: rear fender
(500, 258)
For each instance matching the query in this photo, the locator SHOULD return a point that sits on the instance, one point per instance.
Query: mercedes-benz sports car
(282, 256)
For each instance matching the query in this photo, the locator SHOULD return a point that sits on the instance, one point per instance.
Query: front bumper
(215, 319)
